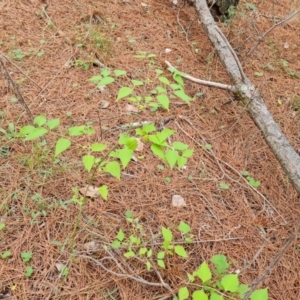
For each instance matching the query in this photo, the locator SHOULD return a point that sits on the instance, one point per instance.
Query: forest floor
(51, 246)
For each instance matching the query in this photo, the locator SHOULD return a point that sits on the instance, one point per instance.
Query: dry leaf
(89, 191)
(131, 108)
(104, 104)
(60, 266)
(286, 45)
(134, 158)
(144, 4)
(168, 50)
(140, 146)
(91, 246)
(178, 201)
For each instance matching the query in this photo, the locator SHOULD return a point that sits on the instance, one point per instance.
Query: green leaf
(124, 92)
(26, 256)
(261, 294)
(163, 135)
(53, 123)
(76, 130)
(171, 157)
(216, 297)
(149, 253)
(183, 293)
(199, 295)
(220, 262)
(242, 290)
(64, 271)
(39, 120)
(28, 271)
(181, 162)
(161, 255)
(149, 128)
(164, 101)
(180, 251)
(6, 254)
(230, 283)
(125, 156)
(181, 94)
(103, 191)
(105, 72)
(184, 228)
(131, 143)
(177, 77)
(158, 151)
(137, 82)
(224, 186)
(187, 153)
(2, 226)
(167, 234)
(129, 254)
(119, 72)
(204, 272)
(143, 251)
(113, 168)
(120, 235)
(26, 130)
(95, 79)
(179, 146)
(61, 146)
(191, 277)
(98, 147)
(88, 161)
(164, 80)
(36, 133)
(161, 263)
(106, 81)
(116, 244)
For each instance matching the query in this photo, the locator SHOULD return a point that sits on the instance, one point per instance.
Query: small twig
(136, 124)
(261, 38)
(15, 88)
(205, 82)
(276, 259)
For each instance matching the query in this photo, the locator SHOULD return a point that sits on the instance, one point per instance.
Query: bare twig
(262, 37)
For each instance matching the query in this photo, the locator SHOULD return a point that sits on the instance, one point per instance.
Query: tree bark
(284, 152)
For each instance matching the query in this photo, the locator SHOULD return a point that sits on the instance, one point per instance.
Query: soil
(53, 49)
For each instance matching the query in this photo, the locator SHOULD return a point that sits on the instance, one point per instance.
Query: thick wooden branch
(284, 152)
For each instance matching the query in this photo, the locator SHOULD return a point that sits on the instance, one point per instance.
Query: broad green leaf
(261, 294)
(148, 265)
(158, 151)
(179, 146)
(164, 101)
(53, 123)
(125, 156)
(224, 186)
(103, 191)
(149, 253)
(120, 235)
(178, 79)
(242, 290)
(163, 135)
(26, 130)
(95, 79)
(137, 82)
(158, 71)
(131, 143)
(180, 251)
(164, 80)
(105, 72)
(204, 272)
(208, 147)
(5, 254)
(143, 251)
(129, 254)
(106, 81)
(191, 277)
(64, 271)
(39, 120)
(61, 146)
(187, 153)
(36, 133)
(119, 72)
(26, 256)
(184, 228)
(181, 162)
(161, 263)
(171, 157)
(161, 255)
(114, 169)
(167, 234)
(199, 295)
(181, 94)
(230, 283)
(28, 271)
(116, 244)
(183, 293)
(88, 130)
(216, 297)
(149, 128)
(175, 86)
(88, 161)
(76, 130)
(220, 262)
(2, 226)
(98, 147)
(124, 92)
